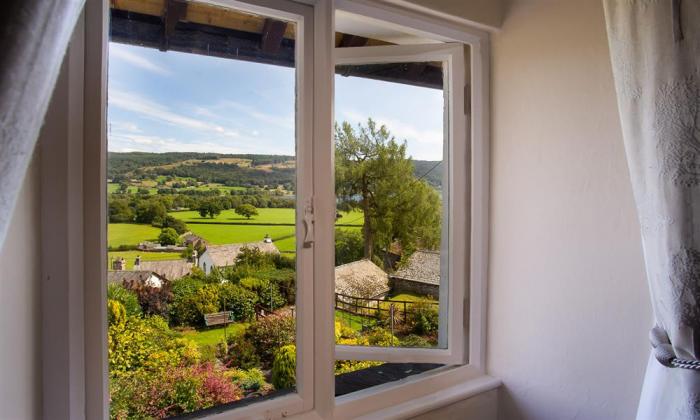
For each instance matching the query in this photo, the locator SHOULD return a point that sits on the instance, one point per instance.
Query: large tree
(374, 174)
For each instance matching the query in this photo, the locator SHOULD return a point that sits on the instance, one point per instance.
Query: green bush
(268, 293)
(126, 297)
(349, 246)
(238, 300)
(270, 334)
(242, 354)
(284, 367)
(413, 340)
(381, 337)
(116, 313)
(168, 236)
(250, 380)
(147, 343)
(186, 299)
(423, 318)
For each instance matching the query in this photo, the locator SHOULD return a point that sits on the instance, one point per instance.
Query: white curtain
(655, 51)
(34, 35)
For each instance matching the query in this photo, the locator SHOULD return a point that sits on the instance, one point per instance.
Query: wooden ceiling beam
(272, 35)
(349, 41)
(173, 12)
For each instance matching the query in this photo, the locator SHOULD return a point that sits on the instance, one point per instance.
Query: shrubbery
(284, 367)
(250, 380)
(169, 392)
(126, 297)
(423, 318)
(270, 334)
(238, 300)
(242, 354)
(146, 343)
(168, 236)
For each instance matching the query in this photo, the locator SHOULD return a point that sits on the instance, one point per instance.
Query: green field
(233, 234)
(265, 216)
(130, 256)
(130, 234)
(114, 187)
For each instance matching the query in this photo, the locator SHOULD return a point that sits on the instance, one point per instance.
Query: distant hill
(245, 170)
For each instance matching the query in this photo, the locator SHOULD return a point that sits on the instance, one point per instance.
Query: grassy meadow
(130, 234)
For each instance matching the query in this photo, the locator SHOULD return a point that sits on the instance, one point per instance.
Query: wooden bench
(218, 318)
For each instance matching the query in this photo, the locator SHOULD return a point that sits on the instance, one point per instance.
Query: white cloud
(402, 130)
(283, 121)
(128, 55)
(135, 103)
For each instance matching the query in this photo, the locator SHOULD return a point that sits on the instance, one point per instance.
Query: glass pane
(201, 198)
(391, 178)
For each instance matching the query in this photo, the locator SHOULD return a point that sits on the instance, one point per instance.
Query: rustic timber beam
(148, 30)
(272, 34)
(349, 41)
(173, 12)
(416, 74)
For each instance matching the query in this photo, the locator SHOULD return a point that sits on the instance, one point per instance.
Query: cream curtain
(34, 35)
(655, 51)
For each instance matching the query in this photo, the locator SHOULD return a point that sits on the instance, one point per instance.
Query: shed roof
(361, 279)
(225, 255)
(422, 266)
(171, 270)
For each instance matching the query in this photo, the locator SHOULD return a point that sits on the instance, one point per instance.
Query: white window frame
(73, 166)
(454, 275)
(470, 377)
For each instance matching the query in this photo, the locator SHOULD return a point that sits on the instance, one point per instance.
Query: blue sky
(170, 101)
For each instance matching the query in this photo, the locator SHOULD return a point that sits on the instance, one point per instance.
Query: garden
(165, 361)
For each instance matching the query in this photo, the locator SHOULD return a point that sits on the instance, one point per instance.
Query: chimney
(137, 262)
(195, 257)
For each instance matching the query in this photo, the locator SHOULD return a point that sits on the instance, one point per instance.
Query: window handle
(308, 221)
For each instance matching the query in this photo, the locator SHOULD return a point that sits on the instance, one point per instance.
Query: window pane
(201, 197)
(391, 179)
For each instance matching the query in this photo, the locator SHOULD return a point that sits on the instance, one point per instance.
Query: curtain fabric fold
(34, 35)
(655, 52)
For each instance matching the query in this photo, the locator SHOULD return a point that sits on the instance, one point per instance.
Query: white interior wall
(569, 308)
(20, 315)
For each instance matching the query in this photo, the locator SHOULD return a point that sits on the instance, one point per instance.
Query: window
(457, 75)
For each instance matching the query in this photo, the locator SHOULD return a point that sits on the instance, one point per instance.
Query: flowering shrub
(116, 314)
(346, 366)
(146, 343)
(169, 392)
(381, 338)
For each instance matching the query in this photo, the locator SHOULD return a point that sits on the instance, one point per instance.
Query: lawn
(233, 234)
(355, 322)
(130, 256)
(410, 297)
(114, 187)
(130, 234)
(213, 336)
(265, 216)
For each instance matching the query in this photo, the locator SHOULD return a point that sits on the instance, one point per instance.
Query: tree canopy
(373, 173)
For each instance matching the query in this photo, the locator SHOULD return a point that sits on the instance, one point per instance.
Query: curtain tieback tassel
(664, 353)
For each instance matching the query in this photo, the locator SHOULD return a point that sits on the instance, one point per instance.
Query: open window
(402, 189)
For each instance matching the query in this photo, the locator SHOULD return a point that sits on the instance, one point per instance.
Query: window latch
(308, 221)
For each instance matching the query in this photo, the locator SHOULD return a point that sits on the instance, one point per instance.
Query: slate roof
(122, 276)
(423, 267)
(171, 270)
(225, 255)
(361, 279)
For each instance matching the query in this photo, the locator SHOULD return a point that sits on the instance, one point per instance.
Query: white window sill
(415, 395)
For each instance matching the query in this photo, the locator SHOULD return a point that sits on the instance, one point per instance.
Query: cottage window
(444, 57)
